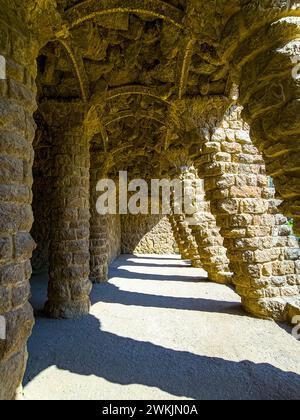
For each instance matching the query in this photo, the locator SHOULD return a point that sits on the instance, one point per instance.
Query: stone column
(183, 236)
(98, 224)
(207, 235)
(185, 240)
(69, 284)
(17, 127)
(263, 255)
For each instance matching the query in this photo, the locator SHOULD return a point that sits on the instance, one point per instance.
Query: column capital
(201, 111)
(63, 115)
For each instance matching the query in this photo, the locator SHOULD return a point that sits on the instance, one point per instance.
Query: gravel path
(160, 330)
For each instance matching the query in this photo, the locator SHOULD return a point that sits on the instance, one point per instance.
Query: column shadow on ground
(81, 347)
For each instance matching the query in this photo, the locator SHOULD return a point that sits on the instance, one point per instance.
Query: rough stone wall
(151, 234)
(263, 255)
(17, 104)
(114, 237)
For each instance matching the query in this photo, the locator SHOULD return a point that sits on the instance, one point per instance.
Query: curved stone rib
(93, 8)
(103, 122)
(95, 126)
(79, 68)
(133, 90)
(184, 66)
(250, 20)
(127, 114)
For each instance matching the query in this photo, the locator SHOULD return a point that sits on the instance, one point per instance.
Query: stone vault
(150, 87)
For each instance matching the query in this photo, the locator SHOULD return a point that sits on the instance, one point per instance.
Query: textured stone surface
(69, 286)
(147, 235)
(42, 190)
(263, 254)
(208, 238)
(17, 104)
(145, 83)
(185, 240)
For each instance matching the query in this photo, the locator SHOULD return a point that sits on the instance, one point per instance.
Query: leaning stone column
(17, 127)
(267, 63)
(207, 234)
(98, 224)
(183, 236)
(185, 240)
(69, 285)
(263, 254)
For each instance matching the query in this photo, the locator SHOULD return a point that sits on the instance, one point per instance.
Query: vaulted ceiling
(134, 59)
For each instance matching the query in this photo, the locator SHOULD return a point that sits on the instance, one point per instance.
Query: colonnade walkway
(160, 330)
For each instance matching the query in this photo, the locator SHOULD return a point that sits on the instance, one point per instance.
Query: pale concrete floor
(159, 330)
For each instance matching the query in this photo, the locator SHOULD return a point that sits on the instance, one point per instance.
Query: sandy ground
(160, 330)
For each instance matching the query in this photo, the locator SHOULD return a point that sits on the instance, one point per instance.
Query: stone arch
(97, 120)
(265, 64)
(134, 90)
(260, 45)
(140, 115)
(102, 160)
(79, 69)
(91, 9)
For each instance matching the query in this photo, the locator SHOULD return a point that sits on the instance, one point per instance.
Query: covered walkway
(160, 330)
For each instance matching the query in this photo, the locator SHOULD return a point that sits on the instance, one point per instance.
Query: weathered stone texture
(114, 237)
(42, 191)
(184, 239)
(105, 230)
(268, 66)
(69, 285)
(153, 79)
(17, 104)
(143, 234)
(263, 254)
(208, 238)
(99, 235)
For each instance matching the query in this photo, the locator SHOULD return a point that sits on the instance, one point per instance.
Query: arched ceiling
(131, 59)
(135, 60)
(115, 43)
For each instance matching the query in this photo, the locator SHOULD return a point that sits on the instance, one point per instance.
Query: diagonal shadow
(157, 257)
(109, 293)
(127, 275)
(81, 347)
(181, 265)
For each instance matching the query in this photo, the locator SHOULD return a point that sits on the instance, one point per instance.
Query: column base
(99, 275)
(67, 310)
(11, 375)
(99, 280)
(266, 308)
(292, 309)
(221, 278)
